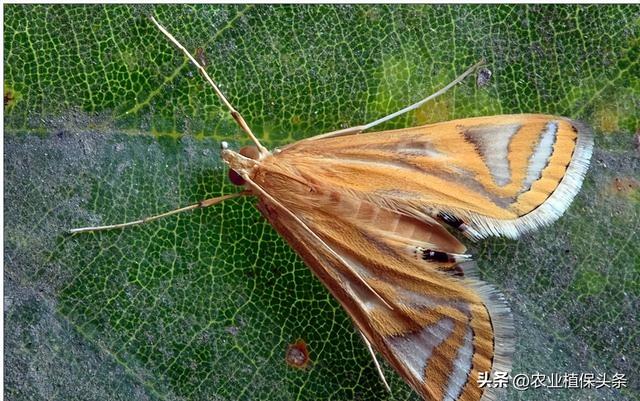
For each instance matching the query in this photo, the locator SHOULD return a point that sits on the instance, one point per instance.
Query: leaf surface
(105, 122)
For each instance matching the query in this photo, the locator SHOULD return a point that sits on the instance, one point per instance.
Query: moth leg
(199, 205)
(375, 361)
(426, 99)
(234, 113)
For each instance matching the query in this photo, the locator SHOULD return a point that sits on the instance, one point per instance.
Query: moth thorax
(247, 151)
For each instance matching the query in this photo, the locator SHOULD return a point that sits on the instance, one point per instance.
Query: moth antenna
(426, 99)
(359, 128)
(234, 113)
(199, 205)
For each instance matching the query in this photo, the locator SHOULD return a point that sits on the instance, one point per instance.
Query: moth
(370, 214)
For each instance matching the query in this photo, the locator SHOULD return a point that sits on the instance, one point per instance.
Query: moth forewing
(498, 175)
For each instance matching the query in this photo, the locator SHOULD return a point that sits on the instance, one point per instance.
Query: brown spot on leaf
(625, 185)
(297, 355)
(9, 97)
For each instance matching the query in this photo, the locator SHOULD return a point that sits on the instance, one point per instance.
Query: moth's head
(240, 163)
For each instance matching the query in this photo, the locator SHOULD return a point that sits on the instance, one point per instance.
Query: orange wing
(397, 278)
(498, 175)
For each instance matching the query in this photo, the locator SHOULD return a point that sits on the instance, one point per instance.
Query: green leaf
(105, 121)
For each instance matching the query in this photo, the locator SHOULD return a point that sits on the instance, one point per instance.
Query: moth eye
(235, 178)
(251, 152)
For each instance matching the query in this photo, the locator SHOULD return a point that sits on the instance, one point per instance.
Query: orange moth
(367, 214)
